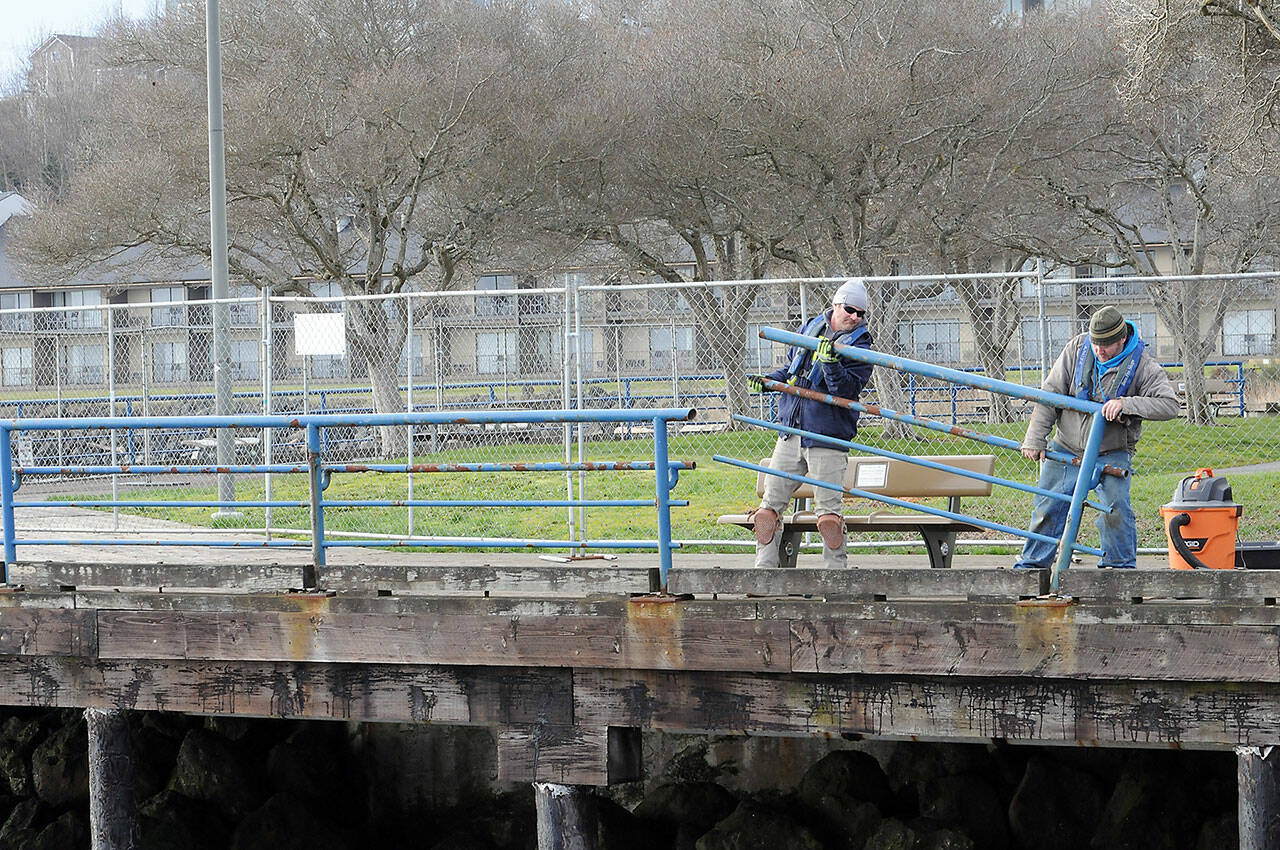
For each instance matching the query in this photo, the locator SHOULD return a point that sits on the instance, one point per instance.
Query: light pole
(218, 256)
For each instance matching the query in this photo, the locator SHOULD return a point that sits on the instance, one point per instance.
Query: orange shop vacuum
(1201, 522)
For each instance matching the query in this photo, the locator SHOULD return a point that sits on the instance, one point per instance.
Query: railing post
(6, 499)
(662, 475)
(315, 483)
(1084, 479)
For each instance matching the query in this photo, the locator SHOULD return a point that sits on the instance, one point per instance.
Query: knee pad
(831, 527)
(764, 521)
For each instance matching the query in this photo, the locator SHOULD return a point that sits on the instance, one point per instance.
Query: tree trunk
(376, 333)
(384, 381)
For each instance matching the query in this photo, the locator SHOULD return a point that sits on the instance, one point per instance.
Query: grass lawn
(1168, 452)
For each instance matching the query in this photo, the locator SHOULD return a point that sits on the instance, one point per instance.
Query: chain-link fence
(506, 345)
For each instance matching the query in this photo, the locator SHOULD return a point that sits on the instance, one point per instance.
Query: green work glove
(755, 384)
(826, 351)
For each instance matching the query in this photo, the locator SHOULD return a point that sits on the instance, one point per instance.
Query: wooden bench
(896, 478)
(1223, 395)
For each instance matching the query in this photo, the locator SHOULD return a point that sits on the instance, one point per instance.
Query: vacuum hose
(1176, 523)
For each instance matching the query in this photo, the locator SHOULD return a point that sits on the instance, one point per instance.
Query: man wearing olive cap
(826, 372)
(1109, 365)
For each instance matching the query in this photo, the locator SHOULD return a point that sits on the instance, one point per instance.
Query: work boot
(831, 527)
(765, 524)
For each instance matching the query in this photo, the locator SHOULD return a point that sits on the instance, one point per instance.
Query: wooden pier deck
(569, 664)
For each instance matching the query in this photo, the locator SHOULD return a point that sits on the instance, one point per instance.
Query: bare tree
(1159, 189)
(350, 132)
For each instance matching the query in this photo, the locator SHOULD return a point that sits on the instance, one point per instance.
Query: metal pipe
(663, 482)
(480, 503)
(332, 420)
(506, 466)
(930, 370)
(152, 469)
(889, 500)
(918, 461)
(933, 425)
(1084, 484)
(156, 503)
(484, 543)
(315, 488)
(6, 499)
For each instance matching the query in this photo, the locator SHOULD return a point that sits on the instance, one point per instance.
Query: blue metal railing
(1086, 479)
(319, 472)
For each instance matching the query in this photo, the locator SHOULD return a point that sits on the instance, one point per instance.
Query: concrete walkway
(53, 522)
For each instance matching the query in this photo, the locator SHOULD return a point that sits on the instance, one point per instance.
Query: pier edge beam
(113, 781)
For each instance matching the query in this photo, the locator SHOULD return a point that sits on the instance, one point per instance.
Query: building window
(244, 359)
(244, 314)
(670, 347)
(1030, 286)
(415, 353)
(495, 352)
(499, 305)
(1146, 323)
(79, 312)
(668, 299)
(1059, 328)
(169, 362)
(762, 354)
(591, 356)
(548, 352)
(1248, 332)
(13, 321)
(933, 342)
(328, 366)
(85, 364)
(17, 367)
(168, 315)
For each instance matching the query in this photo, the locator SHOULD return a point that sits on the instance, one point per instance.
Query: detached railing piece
(318, 472)
(1089, 467)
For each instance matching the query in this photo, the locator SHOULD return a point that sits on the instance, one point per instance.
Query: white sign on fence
(319, 334)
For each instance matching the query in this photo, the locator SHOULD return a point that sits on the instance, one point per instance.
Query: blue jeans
(1116, 531)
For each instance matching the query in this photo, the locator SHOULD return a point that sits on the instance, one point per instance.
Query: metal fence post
(6, 499)
(315, 484)
(662, 475)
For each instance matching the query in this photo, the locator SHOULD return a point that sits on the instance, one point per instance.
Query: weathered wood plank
(497, 606)
(1230, 586)
(656, 638)
(37, 599)
(47, 631)
(860, 583)
(245, 577)
(1040, 711)
(563, 580)
(418, 694)
(1186, 612)
(1041, 642)
(583, 755)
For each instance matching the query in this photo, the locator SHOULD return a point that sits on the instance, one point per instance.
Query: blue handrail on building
(1090, 469)
(666, 472)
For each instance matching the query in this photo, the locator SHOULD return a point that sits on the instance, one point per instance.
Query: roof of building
(75, 42)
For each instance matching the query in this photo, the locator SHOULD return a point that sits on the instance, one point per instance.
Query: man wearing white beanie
(826, 372)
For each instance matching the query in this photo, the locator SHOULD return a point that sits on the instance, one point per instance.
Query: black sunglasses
(854, 311)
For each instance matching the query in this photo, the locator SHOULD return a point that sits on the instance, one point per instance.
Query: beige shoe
(831, 527)
(765, 523)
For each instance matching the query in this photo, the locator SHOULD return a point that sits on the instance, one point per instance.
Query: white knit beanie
(852, 292)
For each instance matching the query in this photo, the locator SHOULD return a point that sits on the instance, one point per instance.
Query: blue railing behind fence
(319, 471)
